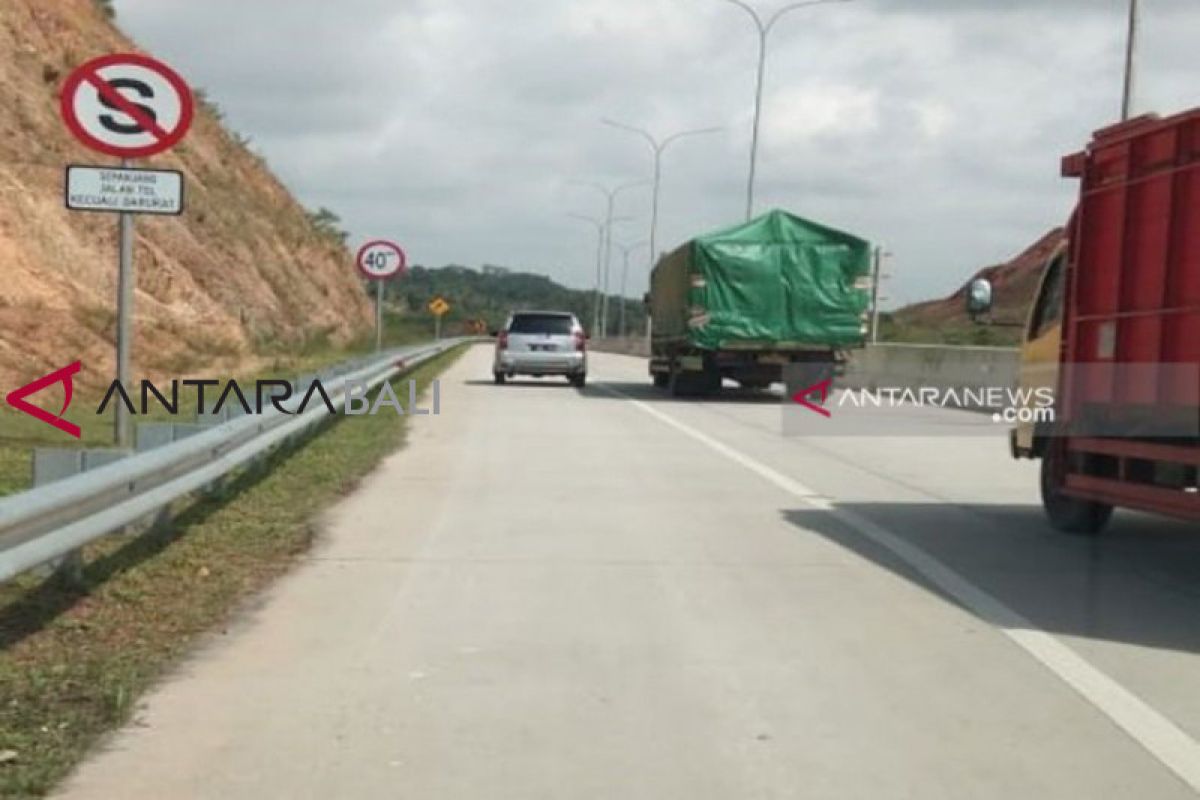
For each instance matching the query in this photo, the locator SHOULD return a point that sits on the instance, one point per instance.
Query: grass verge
(73, 661)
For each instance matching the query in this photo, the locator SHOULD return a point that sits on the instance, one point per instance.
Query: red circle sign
(127, 105)
(380, 260)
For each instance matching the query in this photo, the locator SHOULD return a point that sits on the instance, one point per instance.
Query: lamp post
(764, 32)
(599, 262)
(658, 146)
(626, 249)
(877, 277)
(610, 196)
(1130, 62)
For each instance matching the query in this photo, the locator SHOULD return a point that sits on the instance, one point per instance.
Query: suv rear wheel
(498, 377)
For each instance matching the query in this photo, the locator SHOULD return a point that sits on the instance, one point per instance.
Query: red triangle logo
(16, 398)
(823, 388)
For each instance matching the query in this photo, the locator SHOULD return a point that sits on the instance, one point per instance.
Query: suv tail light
(580, 341)
(502, 340)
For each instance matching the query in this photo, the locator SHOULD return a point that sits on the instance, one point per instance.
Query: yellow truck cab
(1040, 351)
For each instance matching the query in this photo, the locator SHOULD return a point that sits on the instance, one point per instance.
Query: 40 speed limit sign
(380, 260)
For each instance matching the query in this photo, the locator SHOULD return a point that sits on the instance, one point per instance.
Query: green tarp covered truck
(743, 302)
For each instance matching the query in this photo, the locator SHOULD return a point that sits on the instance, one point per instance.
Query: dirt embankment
(1015, 283)
(241, 273)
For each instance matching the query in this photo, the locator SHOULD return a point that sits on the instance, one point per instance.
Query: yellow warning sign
(438, 306)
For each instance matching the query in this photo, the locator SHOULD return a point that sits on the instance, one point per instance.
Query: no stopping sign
(380, 260)
(127, 105)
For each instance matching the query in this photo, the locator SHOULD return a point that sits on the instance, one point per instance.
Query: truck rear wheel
(680, 383)
(709, 381)
(1069, 514)
(661, 379)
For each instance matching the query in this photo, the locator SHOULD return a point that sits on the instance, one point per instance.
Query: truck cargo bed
(1129, 399)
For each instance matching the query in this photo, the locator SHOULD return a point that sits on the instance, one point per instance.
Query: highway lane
(609, 593)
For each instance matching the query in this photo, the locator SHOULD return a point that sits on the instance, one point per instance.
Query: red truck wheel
(1068, 514)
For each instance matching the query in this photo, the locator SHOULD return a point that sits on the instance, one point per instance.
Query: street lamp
(764, 31)
(1130, 62)
(658, 146)
(877, 277)
(610, 195)
(602, 234)
(599, 262)
(626, 249)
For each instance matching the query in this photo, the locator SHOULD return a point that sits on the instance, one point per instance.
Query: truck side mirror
(646, 300)
(980, 298)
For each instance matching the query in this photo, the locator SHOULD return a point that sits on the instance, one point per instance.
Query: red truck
(1116, 330)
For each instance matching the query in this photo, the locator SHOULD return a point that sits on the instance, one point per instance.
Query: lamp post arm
(683, 134)
(749, 9)
(766, 29)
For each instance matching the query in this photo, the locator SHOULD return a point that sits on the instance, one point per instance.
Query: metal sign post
(379, 261)
(129, 106)
(438, 307)
(380, 288)
(125, 285)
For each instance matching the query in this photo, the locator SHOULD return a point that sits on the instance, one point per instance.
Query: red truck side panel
(1131, 336)
(1135, 293)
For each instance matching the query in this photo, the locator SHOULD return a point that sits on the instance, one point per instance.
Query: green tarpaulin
(777, 280)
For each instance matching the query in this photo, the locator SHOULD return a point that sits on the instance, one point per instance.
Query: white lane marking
(1161, 737)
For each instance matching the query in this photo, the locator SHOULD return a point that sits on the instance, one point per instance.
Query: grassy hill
(492, 292)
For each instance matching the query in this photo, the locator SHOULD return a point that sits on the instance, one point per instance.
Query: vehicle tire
(661, 380)
(1069, 514)
(579, 381)
(680, 384)
(709, 381)
(498, 377)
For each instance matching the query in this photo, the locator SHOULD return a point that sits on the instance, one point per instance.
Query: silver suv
(541, 343)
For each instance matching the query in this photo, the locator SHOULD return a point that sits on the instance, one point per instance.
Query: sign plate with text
(121, 189)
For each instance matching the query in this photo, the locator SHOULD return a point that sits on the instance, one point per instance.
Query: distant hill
(492, 292)
(945, 320)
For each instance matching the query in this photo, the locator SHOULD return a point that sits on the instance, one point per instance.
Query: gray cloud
(455, 126)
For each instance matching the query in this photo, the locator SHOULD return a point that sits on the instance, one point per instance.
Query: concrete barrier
(887, 366)
(634, 346)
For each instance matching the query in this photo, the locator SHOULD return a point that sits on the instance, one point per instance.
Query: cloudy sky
(934, 127)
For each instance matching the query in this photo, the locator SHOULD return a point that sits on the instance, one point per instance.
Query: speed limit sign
(380, 260)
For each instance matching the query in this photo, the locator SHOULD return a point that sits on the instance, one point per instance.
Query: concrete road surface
(605, 593)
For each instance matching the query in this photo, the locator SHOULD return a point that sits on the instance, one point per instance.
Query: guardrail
(53, 521)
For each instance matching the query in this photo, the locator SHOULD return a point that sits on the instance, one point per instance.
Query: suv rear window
(552, 324)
